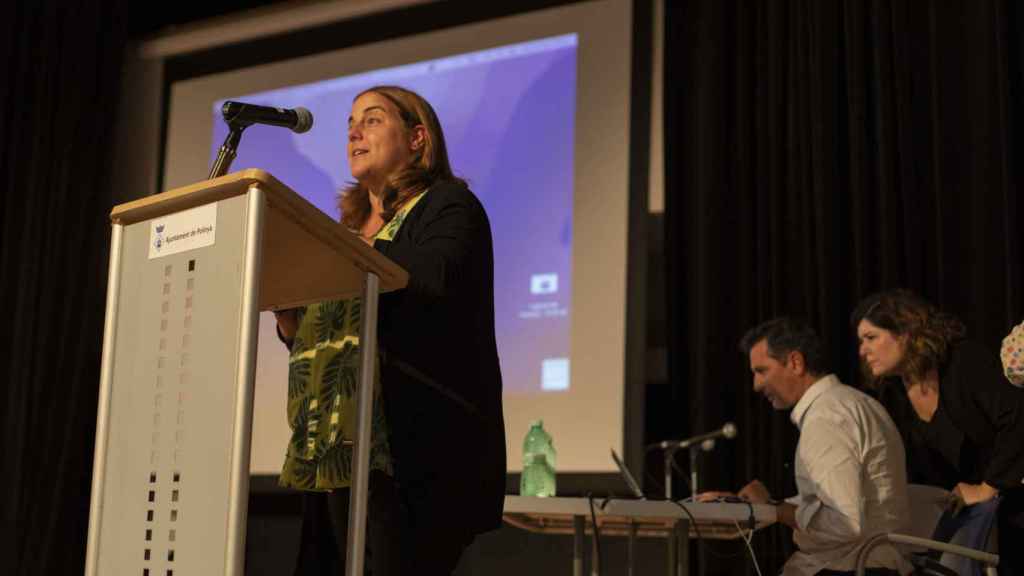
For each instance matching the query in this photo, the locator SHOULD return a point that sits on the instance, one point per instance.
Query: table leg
(673, 549)
(682, 530)
(577, 547)
(631, 550)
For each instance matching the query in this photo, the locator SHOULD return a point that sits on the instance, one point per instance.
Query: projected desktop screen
(535, 111)
(491, 103)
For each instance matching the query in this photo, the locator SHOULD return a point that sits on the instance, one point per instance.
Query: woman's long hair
(429, 165)
(930, 332)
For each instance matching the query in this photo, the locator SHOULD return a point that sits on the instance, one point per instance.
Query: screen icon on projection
(554, 374)
(543, 283)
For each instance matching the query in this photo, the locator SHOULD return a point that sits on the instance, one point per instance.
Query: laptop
(630, 481)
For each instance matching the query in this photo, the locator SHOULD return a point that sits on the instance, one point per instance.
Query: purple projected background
(508, 115)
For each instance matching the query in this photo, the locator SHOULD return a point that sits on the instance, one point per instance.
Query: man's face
(776, 381)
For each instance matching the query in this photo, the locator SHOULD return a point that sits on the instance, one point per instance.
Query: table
(636, 518)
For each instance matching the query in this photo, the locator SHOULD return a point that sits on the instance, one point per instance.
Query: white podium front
(636, 518)
(190, 269)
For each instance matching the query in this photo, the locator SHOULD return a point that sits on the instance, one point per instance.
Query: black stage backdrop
(58, 98)
(817, 152)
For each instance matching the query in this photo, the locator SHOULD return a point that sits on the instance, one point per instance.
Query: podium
(676, 523)
(190, 270)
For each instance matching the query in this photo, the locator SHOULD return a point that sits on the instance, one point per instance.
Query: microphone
(727, 431)
(242, 115)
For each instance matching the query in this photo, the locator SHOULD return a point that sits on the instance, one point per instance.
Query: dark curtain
(817, 152)
(57, 102)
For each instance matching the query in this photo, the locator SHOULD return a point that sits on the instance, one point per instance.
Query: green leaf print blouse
(323, 374)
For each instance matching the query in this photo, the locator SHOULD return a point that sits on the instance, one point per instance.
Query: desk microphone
(727, 431)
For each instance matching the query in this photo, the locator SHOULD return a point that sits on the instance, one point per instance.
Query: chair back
(971, 527)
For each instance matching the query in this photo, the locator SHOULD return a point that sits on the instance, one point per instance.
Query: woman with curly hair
(962, 425)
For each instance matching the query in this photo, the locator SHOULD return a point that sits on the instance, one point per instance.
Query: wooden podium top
(306, 257)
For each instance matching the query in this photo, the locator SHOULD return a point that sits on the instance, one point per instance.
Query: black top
(977, 432)
(439, 362)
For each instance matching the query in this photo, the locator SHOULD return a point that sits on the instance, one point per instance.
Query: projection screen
(536, 112)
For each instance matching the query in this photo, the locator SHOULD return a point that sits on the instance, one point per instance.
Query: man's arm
(757, 493)
(785, 513)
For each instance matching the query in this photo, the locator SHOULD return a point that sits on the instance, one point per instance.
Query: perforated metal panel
(171, 422)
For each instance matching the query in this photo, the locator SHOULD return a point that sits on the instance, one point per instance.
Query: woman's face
(379, 144)
(881, 350)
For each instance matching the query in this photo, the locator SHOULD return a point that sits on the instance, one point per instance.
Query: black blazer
(977, 433)
(440, 376)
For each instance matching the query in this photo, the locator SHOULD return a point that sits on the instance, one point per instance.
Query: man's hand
(975, 493)
(755, 492)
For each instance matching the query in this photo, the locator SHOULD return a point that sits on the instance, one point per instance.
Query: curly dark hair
(930, 332)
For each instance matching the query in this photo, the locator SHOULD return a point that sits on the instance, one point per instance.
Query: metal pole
(249, 322)
(669, 454)
(631, 549)
(694, 452)
(99, 465)
(694, 489)
(577, 545)
(364, 417)
(673, 544)
(682, 536)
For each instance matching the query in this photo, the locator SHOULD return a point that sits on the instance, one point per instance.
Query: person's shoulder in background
(1012, 355)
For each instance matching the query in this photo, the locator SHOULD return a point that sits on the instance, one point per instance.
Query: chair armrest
(986, 558)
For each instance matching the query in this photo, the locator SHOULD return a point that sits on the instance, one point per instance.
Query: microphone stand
(695, 449)
(694, 452)
(669, 455)
(227, 153)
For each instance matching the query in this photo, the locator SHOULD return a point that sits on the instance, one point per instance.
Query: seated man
(850, 472)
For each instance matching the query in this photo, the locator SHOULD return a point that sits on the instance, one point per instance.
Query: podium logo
(183, 231)
(158, 243)
(543, 283)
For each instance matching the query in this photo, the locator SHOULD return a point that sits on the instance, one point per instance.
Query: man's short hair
(784, 335)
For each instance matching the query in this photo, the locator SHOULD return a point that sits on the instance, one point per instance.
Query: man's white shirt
(851, 480)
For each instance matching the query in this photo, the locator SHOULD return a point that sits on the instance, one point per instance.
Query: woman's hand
(287, 323)
(975, 493)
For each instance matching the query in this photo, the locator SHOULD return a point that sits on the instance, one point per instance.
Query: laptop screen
(630, 481)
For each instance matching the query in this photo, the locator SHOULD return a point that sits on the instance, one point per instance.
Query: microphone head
(729, 430)
(303, 121)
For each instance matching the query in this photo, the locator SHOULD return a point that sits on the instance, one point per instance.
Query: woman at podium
(438, 450)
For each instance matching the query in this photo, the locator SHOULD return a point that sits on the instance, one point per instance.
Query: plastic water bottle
(538, 478)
